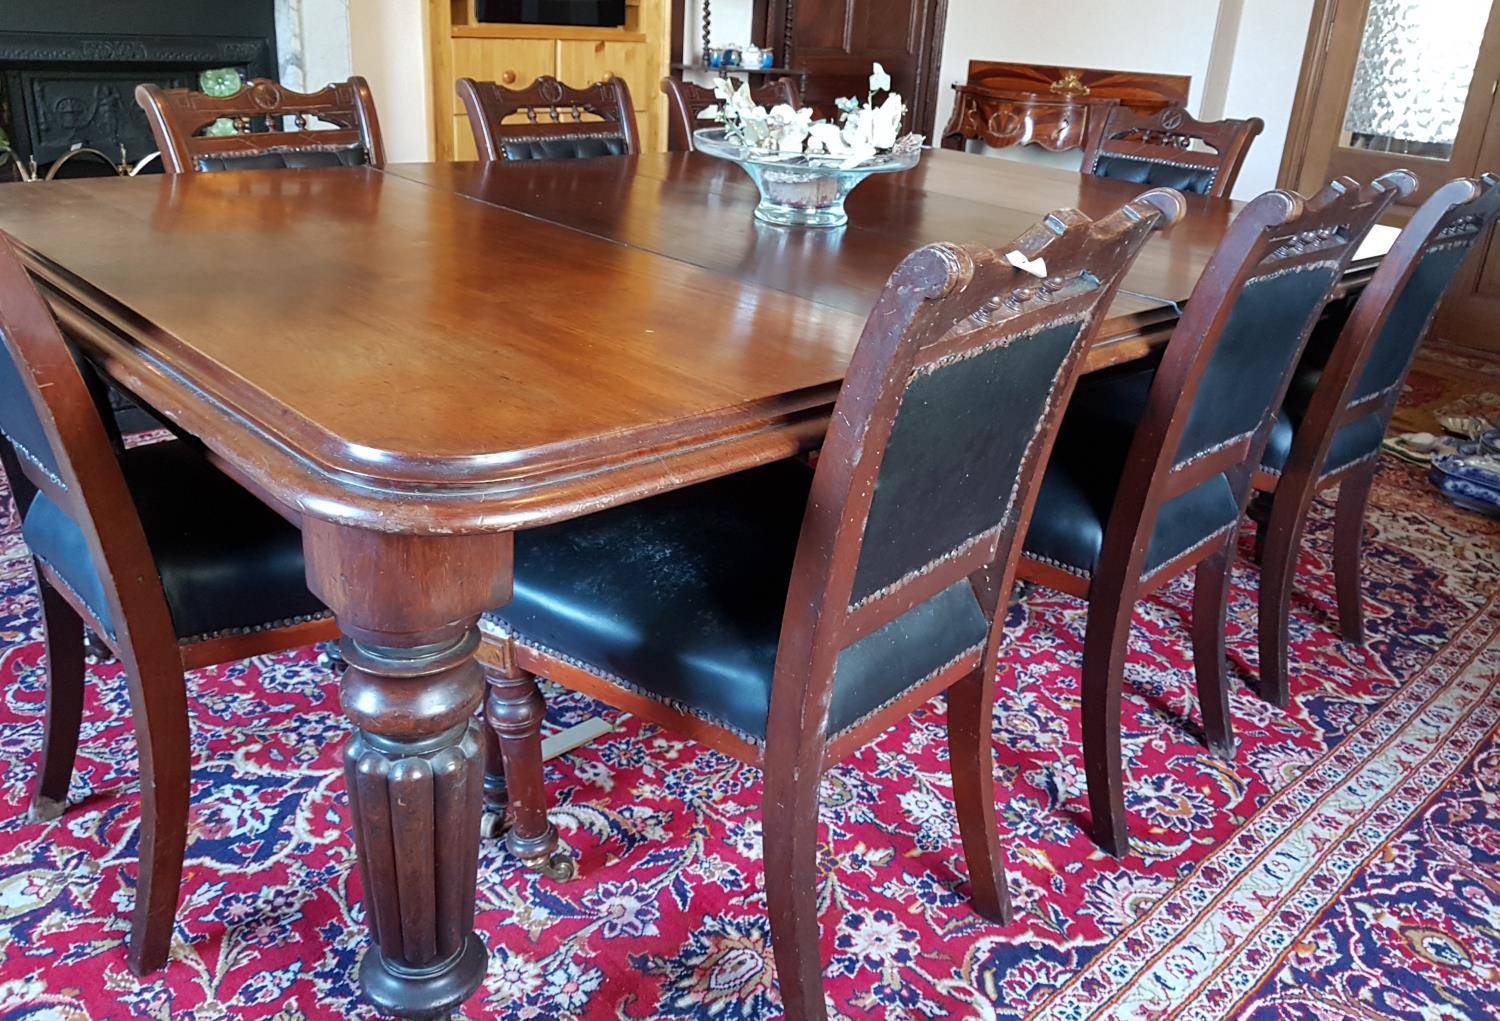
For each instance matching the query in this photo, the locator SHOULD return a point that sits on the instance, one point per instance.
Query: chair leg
(1259, 513)
(790, 841)
(158, 694)
(65, 688)
(1104, 648)
(1210, 605)
(971, 758)
(1274, 604)
(1348, 535)
(516, 711)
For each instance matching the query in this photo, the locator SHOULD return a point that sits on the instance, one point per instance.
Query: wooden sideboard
(1052, 106)
(515, 55)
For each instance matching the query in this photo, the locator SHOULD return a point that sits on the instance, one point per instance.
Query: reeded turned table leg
(408, 607)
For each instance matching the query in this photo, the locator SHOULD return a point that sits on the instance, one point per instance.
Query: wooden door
(1470, 314)
(1390, 84)
(1408, 84)
(836, 41)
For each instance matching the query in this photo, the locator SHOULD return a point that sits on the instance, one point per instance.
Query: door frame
(1309, 83)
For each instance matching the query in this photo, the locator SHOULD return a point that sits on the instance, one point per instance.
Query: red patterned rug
(1347, 864)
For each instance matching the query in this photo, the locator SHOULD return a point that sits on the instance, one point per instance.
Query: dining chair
(1156, 149)
(686, 100)
(180, 118)
(1151, 470)
(788, 615)
(1330, 427)
(170, 563)
(554, 125)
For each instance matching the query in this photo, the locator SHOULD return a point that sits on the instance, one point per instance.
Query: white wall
(730, 24)
(388, 45)
(1263, 82)
(312, 42)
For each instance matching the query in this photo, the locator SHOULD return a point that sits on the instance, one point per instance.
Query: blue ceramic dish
(1470, 480)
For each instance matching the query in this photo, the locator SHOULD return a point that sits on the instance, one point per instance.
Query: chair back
(559, 122)
(1157, 149)
(685, 101)
(946, 414)
(1369, 360)
(1404, 294)
(258, 111)
(1230, 360)
(62, 449)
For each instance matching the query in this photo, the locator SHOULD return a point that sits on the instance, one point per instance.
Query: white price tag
(1036, 267)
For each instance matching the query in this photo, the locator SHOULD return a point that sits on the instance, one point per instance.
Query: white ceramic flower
(885, 122)
(858, 136)
(790, 128)
(825, 137)
(864, 130)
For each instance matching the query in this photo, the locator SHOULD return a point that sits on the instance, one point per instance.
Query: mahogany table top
(379, 348)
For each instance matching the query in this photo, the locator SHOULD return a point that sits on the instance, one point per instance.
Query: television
(592, 13)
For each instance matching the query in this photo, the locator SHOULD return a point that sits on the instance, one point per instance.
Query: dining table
(412, 363)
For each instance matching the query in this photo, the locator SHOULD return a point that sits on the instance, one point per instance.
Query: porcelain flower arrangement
(864, 131)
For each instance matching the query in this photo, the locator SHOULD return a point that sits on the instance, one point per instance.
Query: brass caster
(491, 825)
(558, 867)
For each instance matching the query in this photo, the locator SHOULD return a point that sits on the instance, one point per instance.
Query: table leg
(408, 607)
(516, 712)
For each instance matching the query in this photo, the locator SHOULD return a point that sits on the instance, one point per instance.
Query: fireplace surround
(68, 71)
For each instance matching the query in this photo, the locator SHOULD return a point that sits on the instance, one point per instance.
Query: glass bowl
(801, 190)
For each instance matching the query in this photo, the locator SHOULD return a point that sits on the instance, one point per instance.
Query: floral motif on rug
(1345, 864)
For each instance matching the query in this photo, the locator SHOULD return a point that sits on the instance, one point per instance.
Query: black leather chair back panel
(1261, 336)
(884, 664)
(948, 475)
(287, 159)
(19, 420)
(1197, 180)
(1408, 321)
(563, 147)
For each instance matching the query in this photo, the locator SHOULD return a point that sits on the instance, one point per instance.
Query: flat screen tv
(593, 13)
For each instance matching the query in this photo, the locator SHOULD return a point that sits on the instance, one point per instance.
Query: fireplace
(68, 71)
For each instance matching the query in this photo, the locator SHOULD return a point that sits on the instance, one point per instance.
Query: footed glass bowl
(800, 191)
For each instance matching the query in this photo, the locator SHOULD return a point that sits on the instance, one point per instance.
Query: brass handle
(508, 77)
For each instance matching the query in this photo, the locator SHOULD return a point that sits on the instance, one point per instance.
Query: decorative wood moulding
(54, 47)
(1053, 106)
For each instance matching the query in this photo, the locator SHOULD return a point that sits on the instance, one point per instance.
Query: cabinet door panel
(583, 62)
(514, 63)
(463, 139)
(836, 41)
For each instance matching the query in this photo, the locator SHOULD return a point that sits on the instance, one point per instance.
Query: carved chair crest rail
(260, 140)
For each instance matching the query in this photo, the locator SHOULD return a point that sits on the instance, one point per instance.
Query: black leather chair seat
(1195, 180)
(563, 147)
(287, 159)
(1083, 475)
(1354, 441)
(681, 596)
(227, 561)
